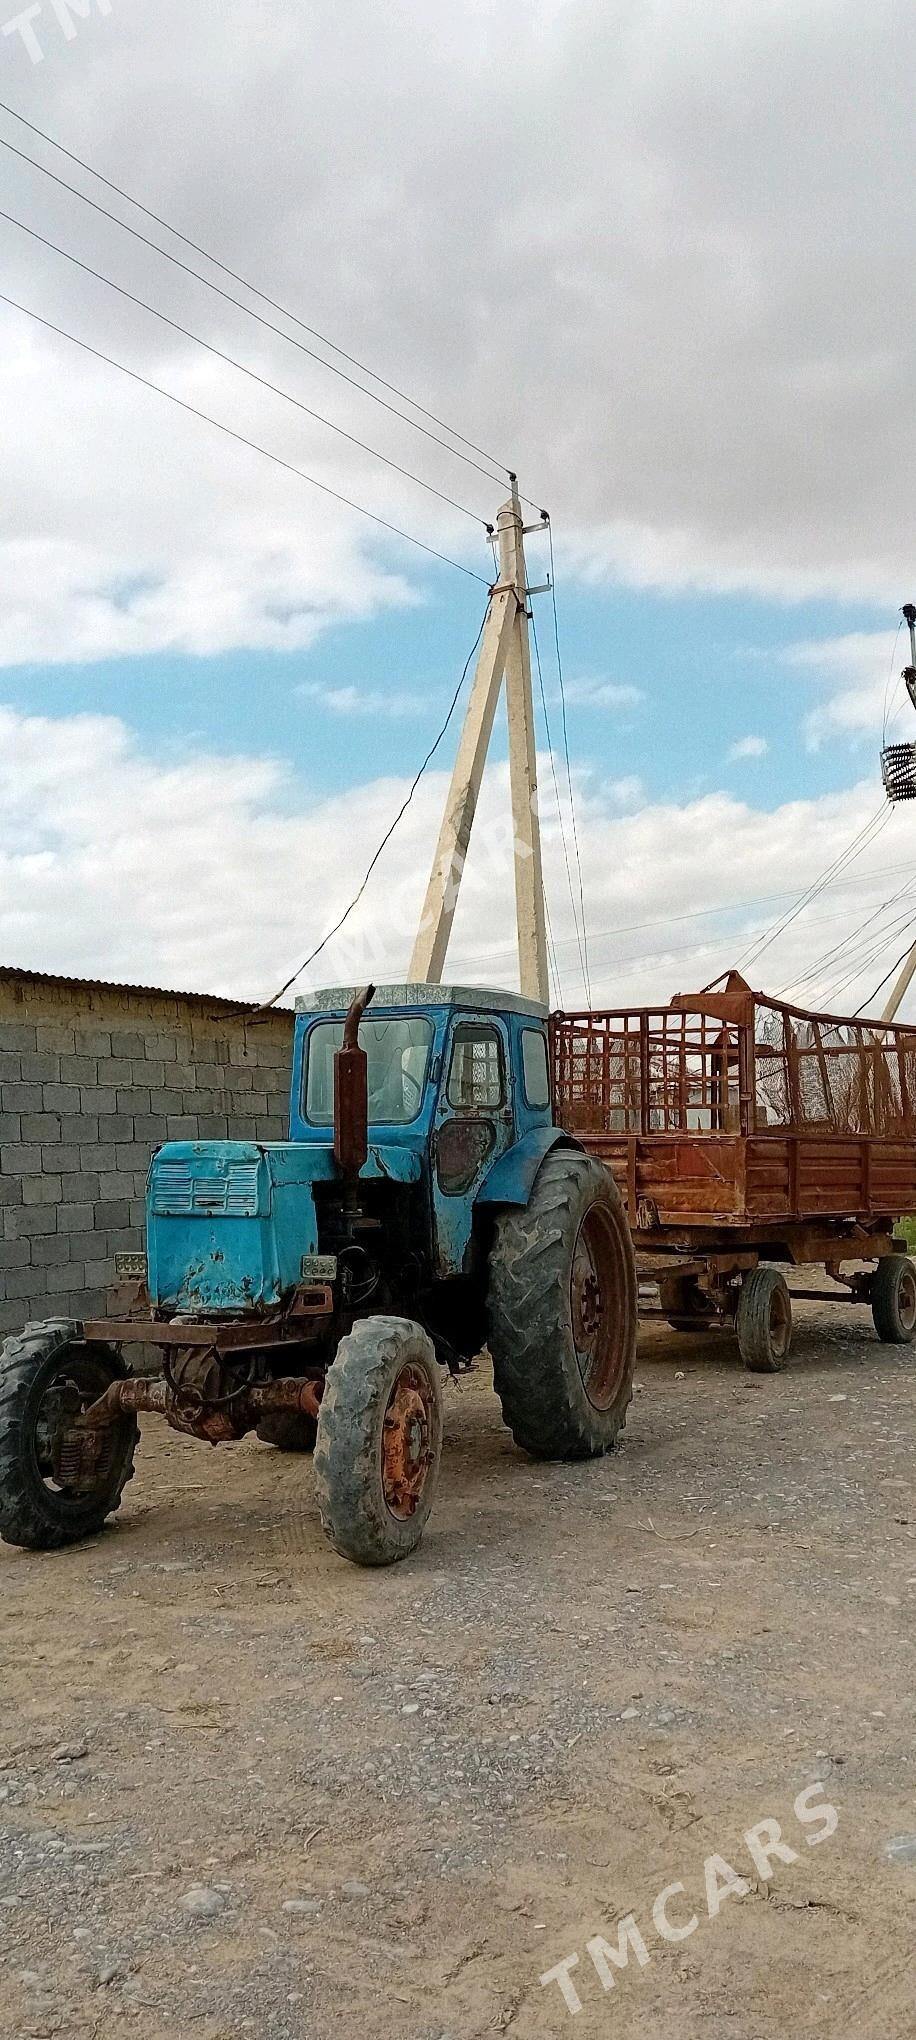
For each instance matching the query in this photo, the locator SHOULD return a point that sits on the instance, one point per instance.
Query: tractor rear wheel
(563, 1312)
(379, 1441)
(288, 1432)
(893, 1300)
(58, 1484)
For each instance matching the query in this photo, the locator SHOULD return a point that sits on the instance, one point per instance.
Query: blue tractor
(316, 1290)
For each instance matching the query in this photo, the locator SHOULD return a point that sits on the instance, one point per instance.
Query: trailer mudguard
(511, 1179)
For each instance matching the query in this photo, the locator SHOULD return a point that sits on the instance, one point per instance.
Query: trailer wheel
(562, 1311)
(288, 1432)
(893, 1300)
(56, 1483)
(764, 1321)
(379, 1441)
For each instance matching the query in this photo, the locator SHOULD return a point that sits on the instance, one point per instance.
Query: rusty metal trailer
(746, 1135)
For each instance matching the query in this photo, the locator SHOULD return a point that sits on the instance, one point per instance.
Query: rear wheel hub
(598, 1329)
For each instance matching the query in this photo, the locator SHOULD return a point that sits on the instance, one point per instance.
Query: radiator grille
(178, 1193)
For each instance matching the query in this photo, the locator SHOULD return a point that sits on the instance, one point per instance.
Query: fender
(511, 1179)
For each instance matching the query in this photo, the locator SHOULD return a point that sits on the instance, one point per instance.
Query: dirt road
(248, 1789)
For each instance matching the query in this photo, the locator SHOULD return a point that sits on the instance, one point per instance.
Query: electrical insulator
(898, 761)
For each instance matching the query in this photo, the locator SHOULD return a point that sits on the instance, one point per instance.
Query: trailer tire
(764, 1321)
(562, 1311)
(288, 1432)
(379, 1441)
(893, 1300)
(37, 1511)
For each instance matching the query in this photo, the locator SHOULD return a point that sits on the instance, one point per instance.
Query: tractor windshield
(397, 1052)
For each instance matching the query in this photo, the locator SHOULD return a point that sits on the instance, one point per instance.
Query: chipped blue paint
(213, 1248)
(511, 1179)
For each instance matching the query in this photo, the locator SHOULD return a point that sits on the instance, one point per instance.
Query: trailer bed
(731, 1110)
(743, 1130)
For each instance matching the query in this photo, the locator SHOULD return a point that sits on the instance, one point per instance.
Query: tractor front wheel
(379, 1441)
(563, 1312)
(58, 1482)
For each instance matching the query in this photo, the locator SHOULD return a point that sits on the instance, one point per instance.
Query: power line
(904, 953)
(556, 788)
(572, 798)
(243, 440)
(558, 982)
(386, 839)
(887, 685)
(866, 836)
(264, 382)
(698, 914)
(870, 953)
(849, 944)
(855, 847)
(209, 284)
(863, 954)
(253, 288)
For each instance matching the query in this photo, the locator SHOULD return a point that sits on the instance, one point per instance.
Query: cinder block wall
(92, 1078)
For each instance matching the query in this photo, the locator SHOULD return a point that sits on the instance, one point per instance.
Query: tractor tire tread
(351, 1505)
(534, 1365)
(23, 1522)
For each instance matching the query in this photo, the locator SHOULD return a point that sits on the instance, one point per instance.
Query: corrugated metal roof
(13, 973)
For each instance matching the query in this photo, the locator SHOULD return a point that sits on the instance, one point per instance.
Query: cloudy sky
(657, 258)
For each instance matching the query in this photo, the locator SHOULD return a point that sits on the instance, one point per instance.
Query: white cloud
(626, 792)
(110, 865)
(749, 747)
(350, 700)
(861, 689)
(682, 159)
(588, 691)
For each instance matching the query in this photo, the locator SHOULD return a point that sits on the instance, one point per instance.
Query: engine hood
(228, 1222)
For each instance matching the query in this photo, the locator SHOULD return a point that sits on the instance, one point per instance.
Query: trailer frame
(747, 1134)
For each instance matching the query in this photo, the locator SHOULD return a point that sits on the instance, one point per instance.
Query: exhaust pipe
(351, 1094)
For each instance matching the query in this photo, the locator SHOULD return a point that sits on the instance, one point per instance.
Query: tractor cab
(457, 1098)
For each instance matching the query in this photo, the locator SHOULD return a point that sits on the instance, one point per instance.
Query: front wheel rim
(408, 1444)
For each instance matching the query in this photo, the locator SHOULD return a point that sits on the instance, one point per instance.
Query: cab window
(535, 1072)
(397, 1051)
(476, 1077)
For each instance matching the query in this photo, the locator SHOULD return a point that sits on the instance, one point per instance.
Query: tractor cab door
(473, 1126)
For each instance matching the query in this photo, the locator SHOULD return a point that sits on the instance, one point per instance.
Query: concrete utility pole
(908, 972)
(504, 650)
